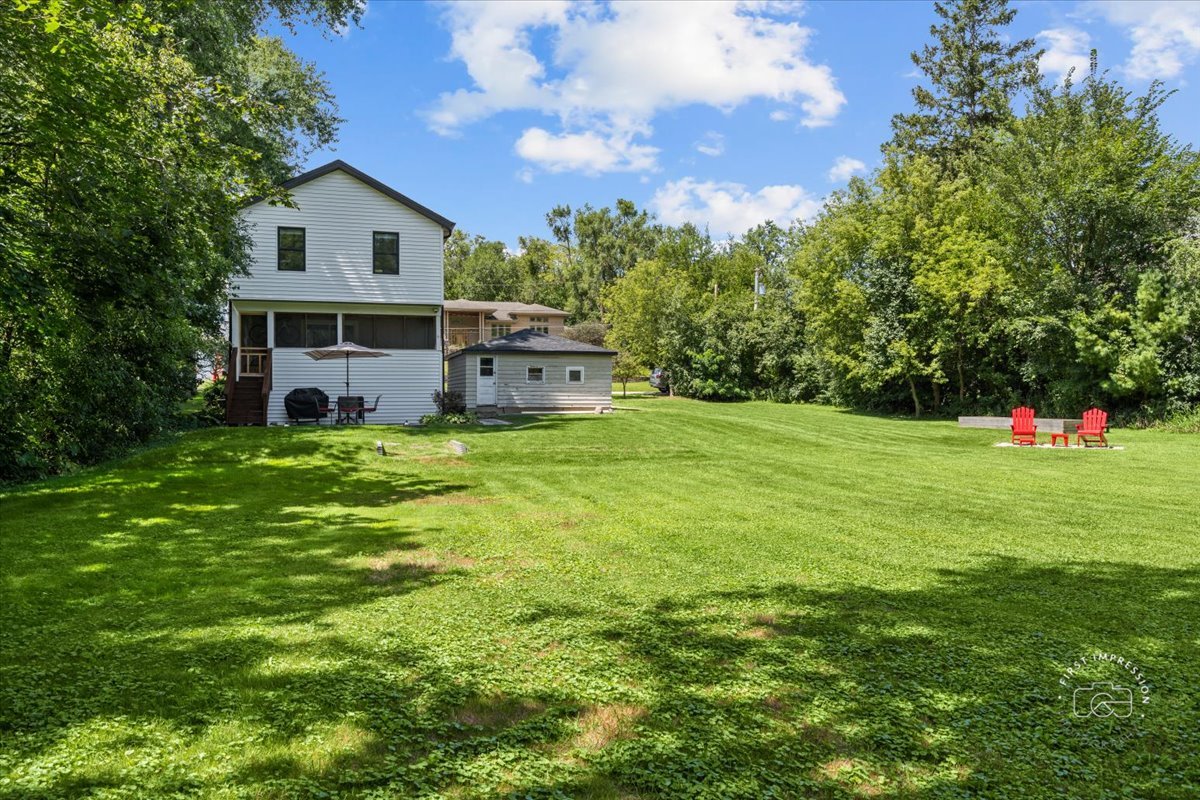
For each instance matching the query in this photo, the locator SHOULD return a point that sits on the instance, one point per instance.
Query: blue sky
(718, 113)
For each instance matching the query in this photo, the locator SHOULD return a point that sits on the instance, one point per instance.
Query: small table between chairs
(1064, 437)
(350, 410)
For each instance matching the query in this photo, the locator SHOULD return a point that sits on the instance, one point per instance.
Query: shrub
(212, 408)
(448, 403)
(451, 418)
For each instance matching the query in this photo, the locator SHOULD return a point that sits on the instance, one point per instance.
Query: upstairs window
(499, 330)
(539, 324)
(290, 242)
(386, 253)
(535, 374)
(390, 331)
(305, 330)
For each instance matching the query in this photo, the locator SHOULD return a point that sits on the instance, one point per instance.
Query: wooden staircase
(246, 398)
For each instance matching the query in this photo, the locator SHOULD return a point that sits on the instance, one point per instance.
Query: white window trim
(582, 376)
(535, 366)
(479, 367)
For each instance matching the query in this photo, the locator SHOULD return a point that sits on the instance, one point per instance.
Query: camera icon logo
(1103, 700)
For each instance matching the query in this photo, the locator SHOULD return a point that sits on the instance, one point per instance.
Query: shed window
(305, 330)
(390, 331)
(386, 253)
(535, 374)
(290, 243)
(574, 374)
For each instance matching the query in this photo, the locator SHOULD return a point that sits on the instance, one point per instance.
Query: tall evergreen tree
(974, 74)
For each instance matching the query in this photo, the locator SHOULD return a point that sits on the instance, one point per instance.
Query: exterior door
(485, 385)
(254, 330)
(252, 354)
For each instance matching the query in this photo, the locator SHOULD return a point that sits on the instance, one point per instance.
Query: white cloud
(525, 175)
(589, 152)
(711, 144)
(730, 208)
(1065, 49)
(844, 167)
(609, 69)
(779, 115)
(1165, 35)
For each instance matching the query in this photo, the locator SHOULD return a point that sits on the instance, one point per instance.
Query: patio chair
(1095, 422)
(1024, 431)
(374, 406)
(349, 409)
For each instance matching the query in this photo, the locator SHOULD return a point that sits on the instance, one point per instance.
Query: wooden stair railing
(230, 382)
(266, 385)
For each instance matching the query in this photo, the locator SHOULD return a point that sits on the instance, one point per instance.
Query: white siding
(406, 379)
(513, 393)
(339, 214)
(461, 376)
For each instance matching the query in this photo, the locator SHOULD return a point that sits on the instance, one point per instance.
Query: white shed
(532, 371)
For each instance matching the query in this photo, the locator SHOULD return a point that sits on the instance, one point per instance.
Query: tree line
(1048, 255)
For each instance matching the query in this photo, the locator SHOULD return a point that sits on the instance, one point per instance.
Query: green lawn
(634, 387)
(683, 600)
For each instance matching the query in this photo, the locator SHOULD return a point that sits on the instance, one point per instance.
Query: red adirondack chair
(1095, 422)
(1023, 429)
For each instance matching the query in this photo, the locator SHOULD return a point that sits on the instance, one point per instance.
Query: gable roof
(531, 341)
(502, 310)
(382, 188)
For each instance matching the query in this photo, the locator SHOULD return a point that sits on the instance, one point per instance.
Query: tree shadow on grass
(185, 586)
(949, 691)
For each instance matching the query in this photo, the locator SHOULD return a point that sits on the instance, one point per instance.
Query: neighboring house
(354, 260)
(473, 321)
(532, 371)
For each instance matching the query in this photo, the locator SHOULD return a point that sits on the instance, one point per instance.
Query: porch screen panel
(305, 330)
(389, 333)
(320, 330)
(419, 333)
(359, 328)
(289, 330)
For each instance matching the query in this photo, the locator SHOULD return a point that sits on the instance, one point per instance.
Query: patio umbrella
(346, 350)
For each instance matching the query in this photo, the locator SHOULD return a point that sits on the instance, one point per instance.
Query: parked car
(658, 379)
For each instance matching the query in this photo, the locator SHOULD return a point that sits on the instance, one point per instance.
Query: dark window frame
(280, 249)
(376, 253)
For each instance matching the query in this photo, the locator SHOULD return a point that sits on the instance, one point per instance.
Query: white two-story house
(355, 261)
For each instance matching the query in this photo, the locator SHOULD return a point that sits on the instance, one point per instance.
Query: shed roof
(530, 341)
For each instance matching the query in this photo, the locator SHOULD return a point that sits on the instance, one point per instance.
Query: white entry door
(485, 386)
